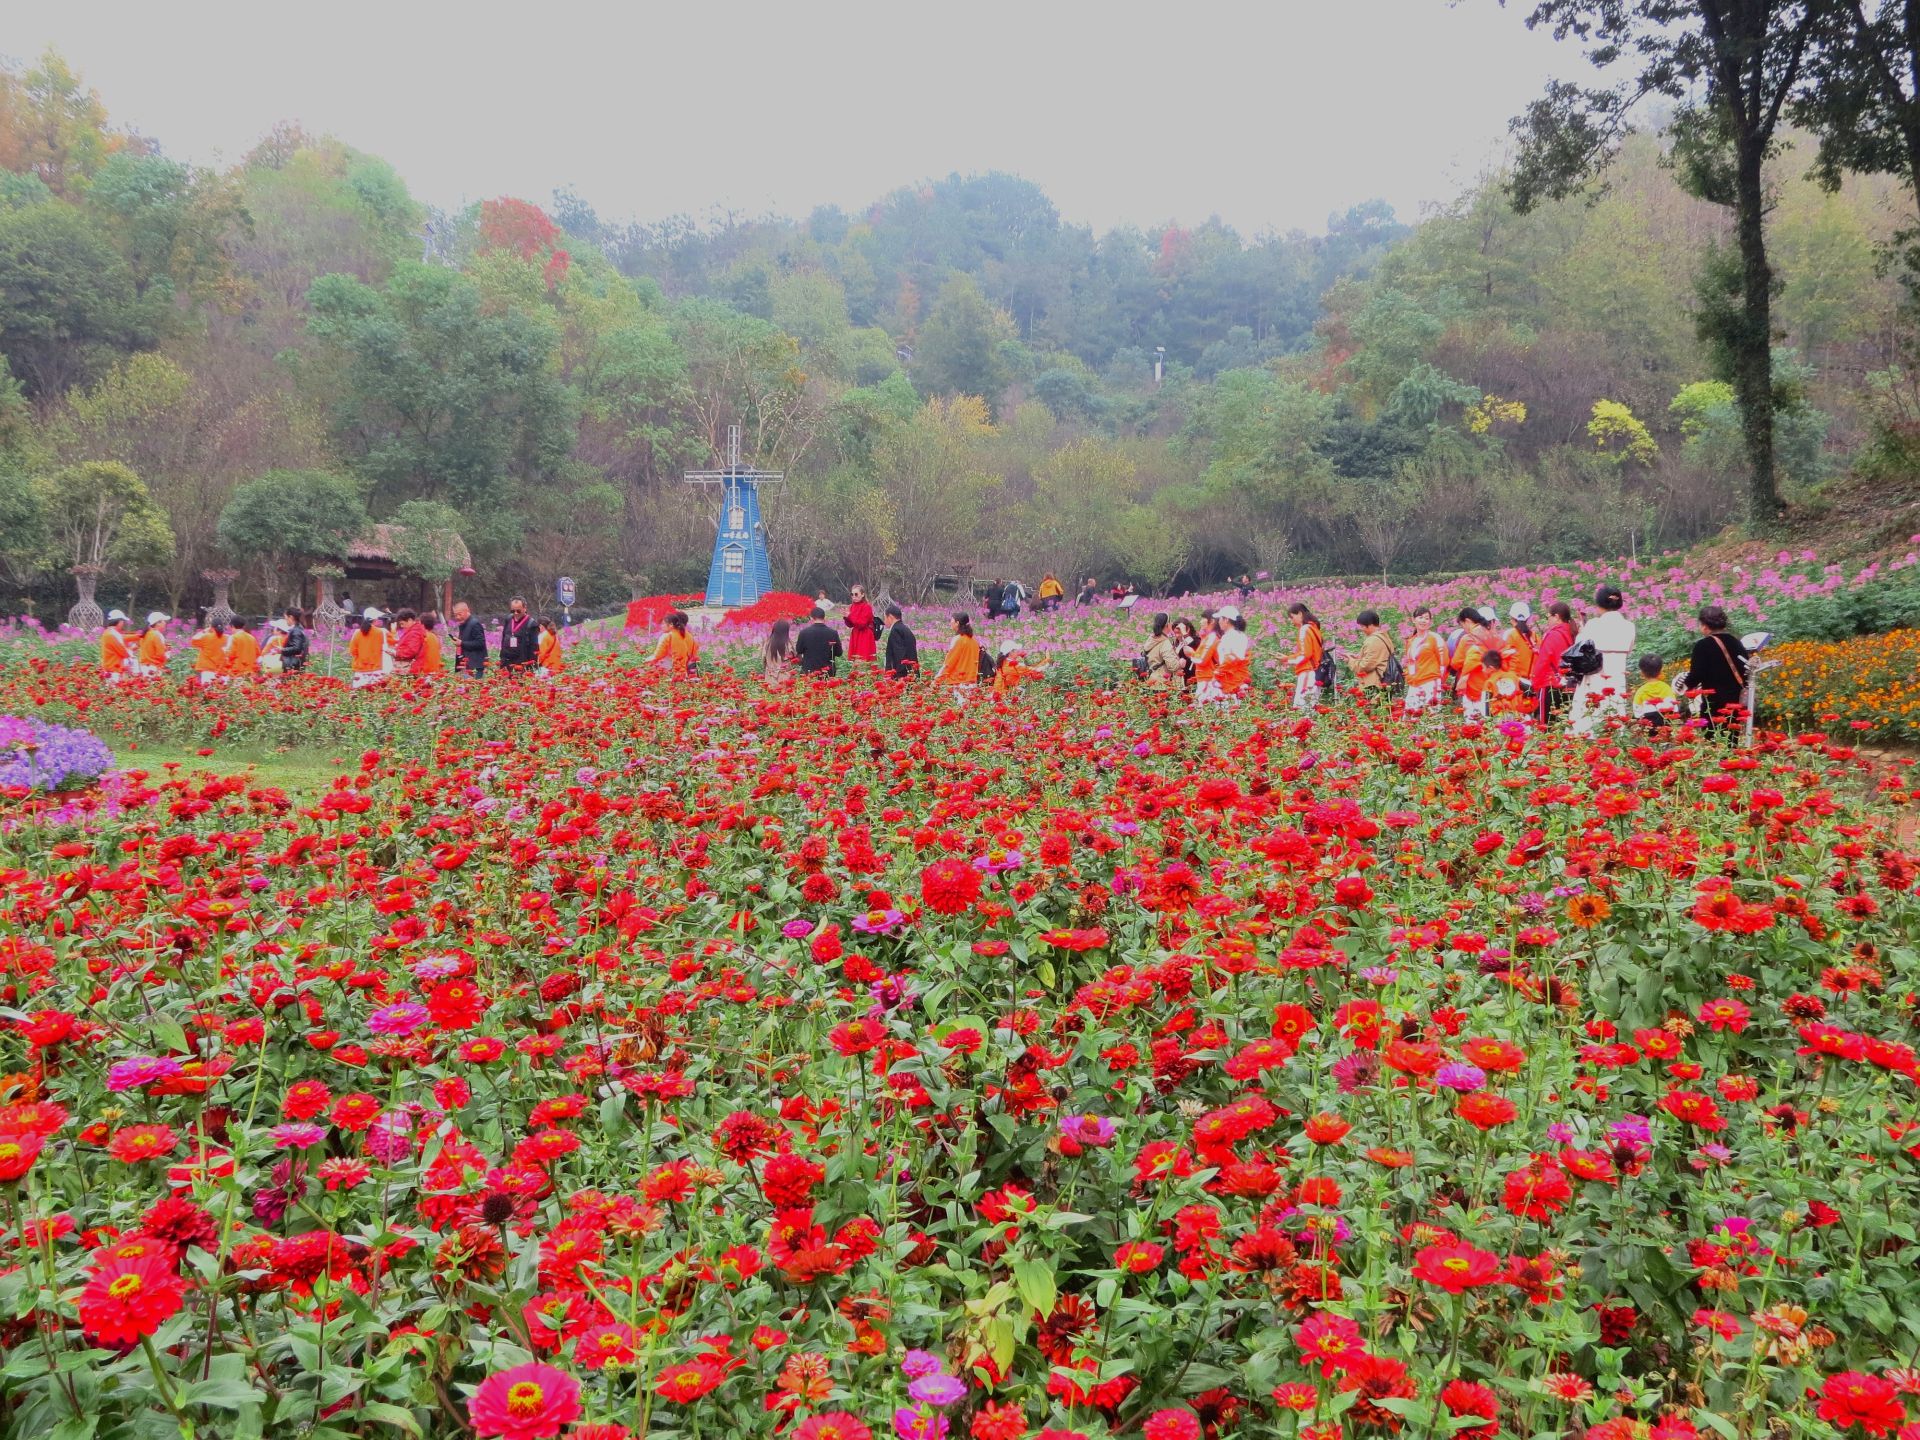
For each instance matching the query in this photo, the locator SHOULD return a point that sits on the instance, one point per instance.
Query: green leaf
(222, 1394)
(397, 1416)
(1035, 1281)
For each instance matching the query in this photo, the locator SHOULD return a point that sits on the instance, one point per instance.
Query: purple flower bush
(37, 756)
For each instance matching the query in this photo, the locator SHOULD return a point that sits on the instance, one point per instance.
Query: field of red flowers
(620, 1058)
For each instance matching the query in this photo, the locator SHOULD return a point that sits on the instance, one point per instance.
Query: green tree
(1730, 66)
(68, 306)
(957, 351)
(438, 397)
(1078, 490)
(937, 487)
(99, 517)
(427, 540)
(286, 519)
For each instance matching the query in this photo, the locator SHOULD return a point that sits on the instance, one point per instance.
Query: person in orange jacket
(430, 661)
(1235, 655)
(1518, 644)
(243, 654)
(209, 645)
(550, 659)
(368, 651)
(961, 670)
(1305, 660)
(1013, 670)
(1476, 644)
(1506, 696)
(116, 655)
(1206, 659)
(150, 657)
(679, 649)
(1426, 663)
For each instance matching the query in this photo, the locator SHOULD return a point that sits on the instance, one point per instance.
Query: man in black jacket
(903, 650)
(471, 636)
(817, 645)
(996, 594)
(519, 638)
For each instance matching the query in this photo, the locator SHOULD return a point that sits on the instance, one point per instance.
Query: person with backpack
(1603, 693)
(1371, 665)
(961, 673)
(1162, 666)
(996, 594)
(1013, 596)
(1549, 680)
(1718, 668)
(1309, 662)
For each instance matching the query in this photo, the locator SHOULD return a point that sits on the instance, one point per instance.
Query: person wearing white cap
(1235, 653)
(1518, 646)
(272, 654)
(150, 657)
(116, 656)
(1012, 669)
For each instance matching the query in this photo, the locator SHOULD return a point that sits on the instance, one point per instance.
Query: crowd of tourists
(1485, 666)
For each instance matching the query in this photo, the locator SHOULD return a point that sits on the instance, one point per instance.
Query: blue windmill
(742, 569)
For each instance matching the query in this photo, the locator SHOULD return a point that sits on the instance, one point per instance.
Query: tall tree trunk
(1752, 350)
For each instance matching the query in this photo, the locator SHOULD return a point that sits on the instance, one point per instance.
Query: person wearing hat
(243, 655)
(150, 656)
(1604, 694)
(1518, 646)
(1235, 652)
(1012, 669)
(116, 656)
(273, 654)
(367, 649)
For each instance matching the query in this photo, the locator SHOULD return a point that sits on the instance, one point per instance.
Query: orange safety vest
(428, 661)
(550, 660)
(113, 651)
(243, 654)
(153, 650)
(368, 649)
(1426, 658)
(1311, 649)
(962, 666)
(209, 653)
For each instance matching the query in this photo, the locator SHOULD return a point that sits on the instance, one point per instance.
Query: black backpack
(1395, 674)
(1582, 660)
(986, 663)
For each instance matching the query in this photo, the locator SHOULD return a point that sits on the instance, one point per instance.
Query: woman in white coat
(1604, 693)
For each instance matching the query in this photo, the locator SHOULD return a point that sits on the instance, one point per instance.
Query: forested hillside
(243, 369)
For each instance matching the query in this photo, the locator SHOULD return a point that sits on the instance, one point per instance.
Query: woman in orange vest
(961, 672)
(550, 659)
(243, 654)
(116, 656)
(1305, 660)
(209, 654)
(429, 661)
(1206, 660)
(1426, 663)
(1235, 652)
(679, 649)
(368, 649)
(1475, 646)
(151, 656)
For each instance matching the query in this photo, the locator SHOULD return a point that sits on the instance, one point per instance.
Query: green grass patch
(304, 773)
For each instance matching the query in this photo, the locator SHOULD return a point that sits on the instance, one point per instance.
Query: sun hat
(282, 625)
(158, 617)
(1007, 647)
(115, 616)
(1487, 617)
(1520, 610)
(1227, 612)
(373, 612)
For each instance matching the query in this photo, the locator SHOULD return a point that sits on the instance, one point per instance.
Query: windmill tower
(742, 568)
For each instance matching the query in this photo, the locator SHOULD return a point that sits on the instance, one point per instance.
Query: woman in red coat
(860, 636)
(1549, 685)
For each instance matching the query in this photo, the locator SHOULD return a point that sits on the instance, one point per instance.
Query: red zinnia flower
(1455, 1268)
(128, 1298)
(1855, 1398)
(949, 887)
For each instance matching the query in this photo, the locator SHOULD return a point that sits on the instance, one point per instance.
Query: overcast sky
(1271, 115)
